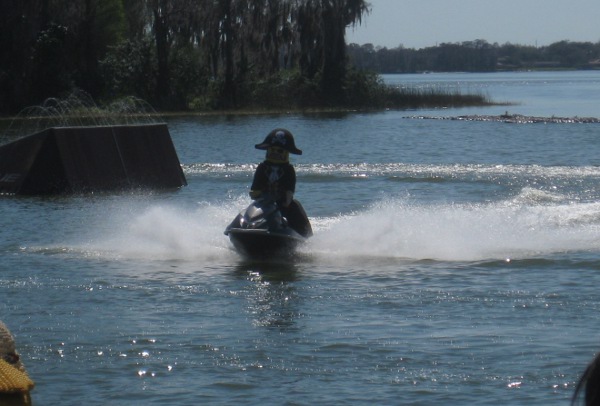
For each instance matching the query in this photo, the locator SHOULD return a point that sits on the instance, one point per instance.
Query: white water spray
(455, 232)
(390, 229)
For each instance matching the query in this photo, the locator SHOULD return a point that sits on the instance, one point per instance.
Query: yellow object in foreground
(13, 380)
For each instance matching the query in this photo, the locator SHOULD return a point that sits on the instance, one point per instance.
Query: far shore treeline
(214, 55)
(476, 56)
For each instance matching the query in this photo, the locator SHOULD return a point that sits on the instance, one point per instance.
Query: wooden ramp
(83, 159)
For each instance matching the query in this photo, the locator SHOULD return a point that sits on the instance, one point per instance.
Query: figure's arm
(290, 187)
(287, 200)
(257, 183)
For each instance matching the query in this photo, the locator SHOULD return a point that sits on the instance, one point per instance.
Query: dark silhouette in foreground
(589, 384)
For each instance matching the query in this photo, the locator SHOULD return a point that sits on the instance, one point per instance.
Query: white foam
(461, 232)
(389, 229)
(164, 232)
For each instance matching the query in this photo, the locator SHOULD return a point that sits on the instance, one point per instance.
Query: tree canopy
(176, 54)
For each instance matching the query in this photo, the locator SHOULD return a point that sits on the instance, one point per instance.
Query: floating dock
(86, 159)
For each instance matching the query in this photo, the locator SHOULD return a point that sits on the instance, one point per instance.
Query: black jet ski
(261, 231)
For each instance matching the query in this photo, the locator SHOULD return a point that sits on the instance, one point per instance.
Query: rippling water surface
(452, 263)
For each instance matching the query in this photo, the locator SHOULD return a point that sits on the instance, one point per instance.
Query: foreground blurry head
(590, 384)
(15, 384)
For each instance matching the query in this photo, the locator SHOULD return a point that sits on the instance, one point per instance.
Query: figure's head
(13, 378)
(279, 143)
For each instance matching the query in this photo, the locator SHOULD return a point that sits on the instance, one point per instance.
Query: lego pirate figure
(276, 176)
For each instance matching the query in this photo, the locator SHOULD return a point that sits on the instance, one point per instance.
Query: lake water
(453, 262)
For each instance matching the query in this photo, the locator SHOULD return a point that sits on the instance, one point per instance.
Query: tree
(161, 13)
(129, 68)
(136, 17)
(336, 16)
(310, 38)
(20, 23)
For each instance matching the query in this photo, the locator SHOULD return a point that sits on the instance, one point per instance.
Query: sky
(424, 23)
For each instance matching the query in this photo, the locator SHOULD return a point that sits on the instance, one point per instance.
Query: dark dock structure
(88, 159)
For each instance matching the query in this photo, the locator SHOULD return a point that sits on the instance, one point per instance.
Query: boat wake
(530, 225)
(461, 232)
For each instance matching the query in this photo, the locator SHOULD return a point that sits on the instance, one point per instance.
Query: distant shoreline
(477, 56)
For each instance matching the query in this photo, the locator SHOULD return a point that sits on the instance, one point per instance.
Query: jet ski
(261, 231)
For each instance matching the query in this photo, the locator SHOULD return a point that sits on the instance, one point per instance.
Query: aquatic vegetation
(416, 97)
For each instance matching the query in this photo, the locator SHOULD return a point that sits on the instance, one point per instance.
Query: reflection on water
(270, 292)
(272, 271)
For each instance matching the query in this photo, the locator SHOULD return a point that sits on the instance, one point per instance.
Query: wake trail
(460, 232)
(520, 228)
